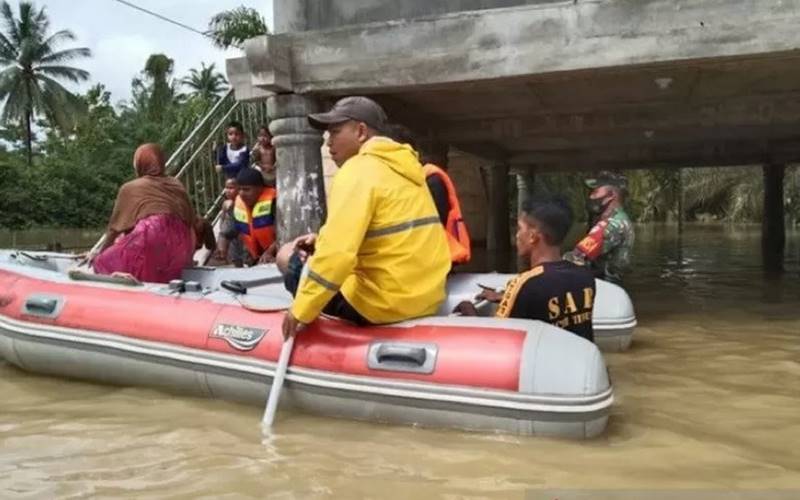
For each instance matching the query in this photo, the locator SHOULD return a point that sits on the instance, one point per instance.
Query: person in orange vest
(254, 216)
(434, 166)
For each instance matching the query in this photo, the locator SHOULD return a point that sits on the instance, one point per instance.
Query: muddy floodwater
(707, 398)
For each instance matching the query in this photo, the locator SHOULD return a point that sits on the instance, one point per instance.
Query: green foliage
(74, 180)
(32, 67)
(653, 194)
(231, 28)
(155, 92)
(206, 83)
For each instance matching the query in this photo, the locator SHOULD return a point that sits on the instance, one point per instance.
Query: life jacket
(457, 234)
(257, 226)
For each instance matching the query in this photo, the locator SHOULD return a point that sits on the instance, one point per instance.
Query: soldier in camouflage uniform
(607, 248)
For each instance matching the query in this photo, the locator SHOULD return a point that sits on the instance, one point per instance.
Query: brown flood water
(707, 398)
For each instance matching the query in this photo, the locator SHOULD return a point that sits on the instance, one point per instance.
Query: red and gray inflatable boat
(196, 337)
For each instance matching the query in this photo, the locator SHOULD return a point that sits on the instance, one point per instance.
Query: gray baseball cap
(362, 109)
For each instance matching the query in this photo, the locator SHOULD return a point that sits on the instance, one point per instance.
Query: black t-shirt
(560, 293)
(439, 193)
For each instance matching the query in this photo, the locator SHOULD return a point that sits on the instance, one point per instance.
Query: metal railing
(193, 161)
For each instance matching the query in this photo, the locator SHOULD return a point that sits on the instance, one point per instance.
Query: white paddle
(277, 384)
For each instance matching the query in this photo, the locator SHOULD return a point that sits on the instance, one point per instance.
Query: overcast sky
(121, 38)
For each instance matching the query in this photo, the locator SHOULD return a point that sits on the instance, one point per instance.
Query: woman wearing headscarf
(151, 233)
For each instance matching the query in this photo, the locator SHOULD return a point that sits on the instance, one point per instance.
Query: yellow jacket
(383, 245)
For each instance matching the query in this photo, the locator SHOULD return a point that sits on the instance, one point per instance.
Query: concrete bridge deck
(576, 84)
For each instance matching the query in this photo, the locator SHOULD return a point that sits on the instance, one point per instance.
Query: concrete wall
(466, 175)
(325, 14)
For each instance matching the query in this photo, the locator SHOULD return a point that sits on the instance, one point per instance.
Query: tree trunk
(29, 137)
(29, 120)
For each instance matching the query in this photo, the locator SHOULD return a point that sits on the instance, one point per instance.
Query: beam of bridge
(532, 40)
(603, 82)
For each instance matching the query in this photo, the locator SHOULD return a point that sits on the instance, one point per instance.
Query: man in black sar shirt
(554, 290)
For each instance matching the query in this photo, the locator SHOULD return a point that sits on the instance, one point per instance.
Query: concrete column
(498, 236)
(289, 16)
(301, 188)
(679, 195)
(526, 183)
(773, 231)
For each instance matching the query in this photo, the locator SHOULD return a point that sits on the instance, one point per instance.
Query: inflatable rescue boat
(217, 333)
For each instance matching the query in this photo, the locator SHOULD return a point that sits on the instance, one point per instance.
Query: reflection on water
(706, 398)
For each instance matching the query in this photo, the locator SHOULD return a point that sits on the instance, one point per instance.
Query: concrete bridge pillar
(300, 182)
(773, 230)
(498, 236)
(526, 183)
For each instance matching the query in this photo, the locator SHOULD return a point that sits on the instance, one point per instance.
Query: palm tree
(734, 194)
(32, 67)
(231, 28)
(206, 83)
(155, 92)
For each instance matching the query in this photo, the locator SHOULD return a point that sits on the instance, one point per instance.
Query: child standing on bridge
(234, 155)
(229, 247)
(263, 155)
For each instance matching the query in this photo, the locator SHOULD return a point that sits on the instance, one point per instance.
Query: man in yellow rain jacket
(382, 255)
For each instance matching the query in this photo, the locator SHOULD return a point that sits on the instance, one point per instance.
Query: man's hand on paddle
(291, 325)
(304, 245)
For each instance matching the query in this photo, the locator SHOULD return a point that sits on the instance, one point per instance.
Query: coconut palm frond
(75, 75)
(231, 28)
(29, 83)
(206, 83)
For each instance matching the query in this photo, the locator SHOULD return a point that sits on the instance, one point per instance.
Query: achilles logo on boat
(243, 338)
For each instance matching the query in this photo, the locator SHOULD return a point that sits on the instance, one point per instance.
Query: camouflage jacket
(607, 248)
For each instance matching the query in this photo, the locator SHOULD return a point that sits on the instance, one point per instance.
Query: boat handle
(413, 357)
(48, 306)
(401, 354)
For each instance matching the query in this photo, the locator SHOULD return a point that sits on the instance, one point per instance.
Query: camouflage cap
(607, 178)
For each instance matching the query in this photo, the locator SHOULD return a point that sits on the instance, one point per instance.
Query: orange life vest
(456, 229)
(257, 226)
